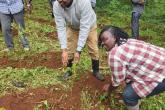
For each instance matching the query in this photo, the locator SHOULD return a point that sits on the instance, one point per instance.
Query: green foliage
(118, 13)
(86, 100)
(103, 96)
(31, 77)
(44, 104)
(102, 108)
(154, 103)
(113, 12)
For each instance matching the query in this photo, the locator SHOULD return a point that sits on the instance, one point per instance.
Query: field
(41, 67)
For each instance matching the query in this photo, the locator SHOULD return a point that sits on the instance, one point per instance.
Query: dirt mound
(45, 59)
(88, 83)
(27, 101)
(57, 98)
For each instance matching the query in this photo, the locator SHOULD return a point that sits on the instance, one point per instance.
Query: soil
(43, 21)
(52, 35)
(57, 98)
(46, 59)
(14, 32)
(145, 38)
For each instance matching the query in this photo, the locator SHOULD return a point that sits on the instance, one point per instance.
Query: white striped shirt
(11, 6)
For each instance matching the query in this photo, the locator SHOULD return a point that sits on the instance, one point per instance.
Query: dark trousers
(131, 98)
(0, 27)
(136, 13)
(6, 20)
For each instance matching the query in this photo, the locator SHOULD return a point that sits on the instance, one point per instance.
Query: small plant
(74, 68)
(21, 31)
(86, 100)
(44, 105)
(103, 96)
(102, 108)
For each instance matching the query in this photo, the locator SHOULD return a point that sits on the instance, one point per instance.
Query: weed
(103, 96)
(114, 12)
(86, 101)
(44, 104)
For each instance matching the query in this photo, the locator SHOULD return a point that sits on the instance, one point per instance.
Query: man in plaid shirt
(139, 64)
(9, 10)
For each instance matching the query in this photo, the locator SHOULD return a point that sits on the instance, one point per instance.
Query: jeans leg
(136, 13)
(0, 27)
(19, 18)
(130, 97)
(6, 29)
(160, 88)
(135, 24)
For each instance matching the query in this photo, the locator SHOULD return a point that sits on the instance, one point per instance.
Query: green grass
(33, 78)
(114, 12)
(152, 25)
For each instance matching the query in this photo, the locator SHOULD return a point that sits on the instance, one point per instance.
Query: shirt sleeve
(118, 71)
(60, 25)
(87, 16)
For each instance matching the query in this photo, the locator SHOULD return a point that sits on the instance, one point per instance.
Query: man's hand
(64, 57)
(76, 57)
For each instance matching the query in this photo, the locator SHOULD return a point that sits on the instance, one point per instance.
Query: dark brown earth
(43, 21)
(14, 32)
(46, 59)
(57, 98)
(51, 35)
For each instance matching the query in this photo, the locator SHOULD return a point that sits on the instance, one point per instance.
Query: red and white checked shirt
(137, 62)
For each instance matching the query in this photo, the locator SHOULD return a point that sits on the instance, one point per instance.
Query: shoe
(99, 76)
(67, 75)
(95, 68)
(68, 72)
(26, 48)
(7, 49)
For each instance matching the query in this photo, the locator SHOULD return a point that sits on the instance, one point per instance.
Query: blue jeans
(6, 20)
(136, 13)
(131, 98)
